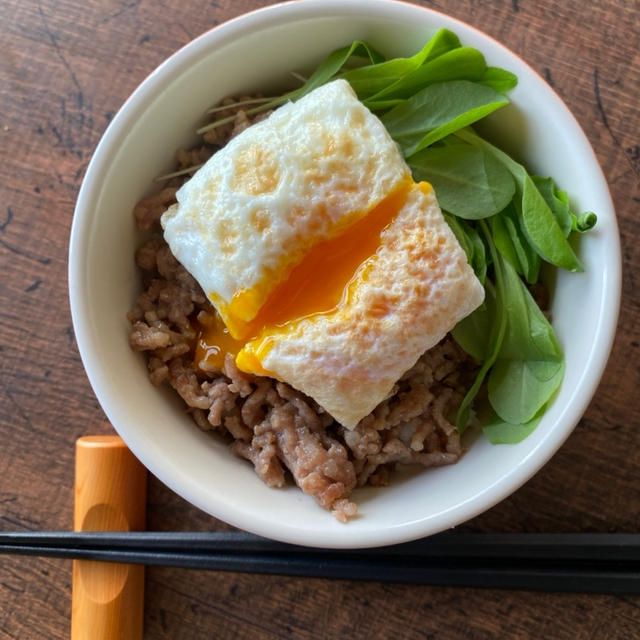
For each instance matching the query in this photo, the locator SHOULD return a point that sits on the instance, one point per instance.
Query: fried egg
(329, 267)
(305, 174)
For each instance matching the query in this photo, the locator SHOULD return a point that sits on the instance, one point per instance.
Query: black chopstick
(525, 546)
(584, 562)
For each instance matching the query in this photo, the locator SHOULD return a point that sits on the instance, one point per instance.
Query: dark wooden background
(65, 68)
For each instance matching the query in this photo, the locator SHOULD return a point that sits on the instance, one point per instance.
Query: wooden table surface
(66, 66)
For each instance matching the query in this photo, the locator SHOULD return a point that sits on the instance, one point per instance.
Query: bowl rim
(219, 35)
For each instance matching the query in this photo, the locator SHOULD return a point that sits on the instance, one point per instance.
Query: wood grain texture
(66, 66)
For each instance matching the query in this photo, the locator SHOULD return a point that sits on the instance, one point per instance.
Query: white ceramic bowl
(254, 52)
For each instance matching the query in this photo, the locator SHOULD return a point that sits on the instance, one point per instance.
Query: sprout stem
(176, 174)
(240, 103)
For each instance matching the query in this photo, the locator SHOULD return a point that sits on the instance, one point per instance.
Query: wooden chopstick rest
(110, 495)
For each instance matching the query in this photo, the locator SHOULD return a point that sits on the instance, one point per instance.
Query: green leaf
(442, 41)
(519, 332)
(530, 260)
(556, 200)
(369, 80)
(462, 63)
(518, 389)
(461, 235)
(438, 111)
(498, 431)
(468, 182)
(538, 221)
(332, 64)
(471, 332)
(543, 230)
(513, 244)
(504, 242)
(380, 106)
(495, 336)
(528, 334)
(479, 260)
(366, 81)
(585, 222)
(470, 240)
(498, 79)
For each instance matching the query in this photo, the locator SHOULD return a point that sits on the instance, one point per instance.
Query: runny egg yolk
(214, 341)
(316, 285)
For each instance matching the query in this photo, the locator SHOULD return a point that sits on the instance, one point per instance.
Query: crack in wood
(19, 410)
(54, 41)
(6, 223)
(33, 286)
(605, 120)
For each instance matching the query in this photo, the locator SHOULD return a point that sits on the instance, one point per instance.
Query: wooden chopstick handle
(110, 495)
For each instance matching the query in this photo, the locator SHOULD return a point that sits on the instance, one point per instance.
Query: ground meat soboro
(283, 433)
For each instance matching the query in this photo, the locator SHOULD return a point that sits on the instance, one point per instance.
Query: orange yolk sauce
(315, 285)
(214, 341)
